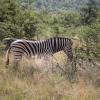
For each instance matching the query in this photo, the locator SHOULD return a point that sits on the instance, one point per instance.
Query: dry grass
(21, 86)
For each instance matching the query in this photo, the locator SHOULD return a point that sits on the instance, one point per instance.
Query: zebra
(7, 42)
(30, 48)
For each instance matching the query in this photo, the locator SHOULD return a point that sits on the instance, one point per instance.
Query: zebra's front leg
(69, 55)
(71, 66)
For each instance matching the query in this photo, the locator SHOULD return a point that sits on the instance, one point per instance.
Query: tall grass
(52, 86)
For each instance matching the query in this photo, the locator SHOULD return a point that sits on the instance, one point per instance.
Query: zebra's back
(49, 46)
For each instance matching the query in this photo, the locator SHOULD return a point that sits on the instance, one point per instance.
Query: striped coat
(49, 46)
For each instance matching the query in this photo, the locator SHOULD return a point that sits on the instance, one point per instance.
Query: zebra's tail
(7, 56)
(7, 42)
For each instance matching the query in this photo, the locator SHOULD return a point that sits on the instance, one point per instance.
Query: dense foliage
(55, 5)
(19, 20)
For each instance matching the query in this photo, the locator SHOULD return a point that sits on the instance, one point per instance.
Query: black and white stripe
(43, 47)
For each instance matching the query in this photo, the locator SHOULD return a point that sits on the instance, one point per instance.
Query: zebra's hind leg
(16, 62)
(49, 61)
